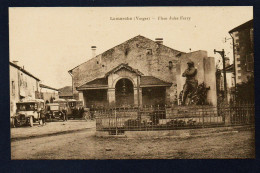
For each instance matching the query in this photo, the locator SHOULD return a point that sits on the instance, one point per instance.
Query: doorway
(124, 92)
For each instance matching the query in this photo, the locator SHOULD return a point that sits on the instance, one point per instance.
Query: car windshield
(72, 104)
(54, 107)
(26, 106)
(79, 103)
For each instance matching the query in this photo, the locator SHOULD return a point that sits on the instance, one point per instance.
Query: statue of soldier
(191, 83)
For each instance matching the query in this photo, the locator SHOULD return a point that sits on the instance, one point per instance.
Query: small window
(21, 79)
(13, 87)
(103, 65)
(149, 52)
(97, 62)
(170, 65)
(250, 62)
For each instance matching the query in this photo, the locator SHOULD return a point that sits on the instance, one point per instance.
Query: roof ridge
(158, 78)
(123, 65)
(124, 43)
(46, 86)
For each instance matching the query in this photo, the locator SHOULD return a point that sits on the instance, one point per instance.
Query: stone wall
(21, 84)
(140, 53)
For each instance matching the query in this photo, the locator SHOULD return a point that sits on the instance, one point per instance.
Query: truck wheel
(64, 117)
(31, 121)
(12, 122)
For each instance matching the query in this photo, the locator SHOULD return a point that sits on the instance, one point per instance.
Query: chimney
(159, 40)
(93, 48)
(15, 62)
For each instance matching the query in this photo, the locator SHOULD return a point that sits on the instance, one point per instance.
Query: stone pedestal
(111, 96)
(227, 119)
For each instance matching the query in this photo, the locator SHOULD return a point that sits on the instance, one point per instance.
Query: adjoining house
(230, 78)
(139, 71)
(48, 94)
(65, 92)
(23, 85)
(243, 47)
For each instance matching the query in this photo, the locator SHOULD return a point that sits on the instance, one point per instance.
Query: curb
(180, 134)
(48, 134)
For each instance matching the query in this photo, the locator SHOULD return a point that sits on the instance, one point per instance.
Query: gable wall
(135, 53)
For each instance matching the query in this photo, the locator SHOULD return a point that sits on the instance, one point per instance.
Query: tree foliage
(245, 92)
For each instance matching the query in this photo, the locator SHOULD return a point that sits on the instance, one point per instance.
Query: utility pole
(222, 53)
(234, 64)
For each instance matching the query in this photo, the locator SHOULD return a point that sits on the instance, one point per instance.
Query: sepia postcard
(97, 83)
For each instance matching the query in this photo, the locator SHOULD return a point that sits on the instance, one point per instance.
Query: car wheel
(31, 121)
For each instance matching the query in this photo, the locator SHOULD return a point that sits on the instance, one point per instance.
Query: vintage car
(75, 109)
(56, 110)
(28, 112)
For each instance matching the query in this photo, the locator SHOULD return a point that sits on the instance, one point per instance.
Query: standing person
(43, 117)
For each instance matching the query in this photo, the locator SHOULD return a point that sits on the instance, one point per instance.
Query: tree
(245, 91)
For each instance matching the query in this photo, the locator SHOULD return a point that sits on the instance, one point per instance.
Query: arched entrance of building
(124, 91)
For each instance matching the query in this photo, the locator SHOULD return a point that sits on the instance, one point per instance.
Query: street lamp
(222, 53)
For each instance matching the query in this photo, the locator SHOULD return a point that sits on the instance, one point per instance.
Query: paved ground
(84, 145)
(51, 128)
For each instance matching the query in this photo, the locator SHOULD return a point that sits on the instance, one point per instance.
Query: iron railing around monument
(116, 120)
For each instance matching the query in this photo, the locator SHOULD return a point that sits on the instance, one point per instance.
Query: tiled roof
(45, 86)
(139, 37)
(65, 91)
(248, 24)
(153, 81)
(146, 81)
(23, 70)
(126, 66)
(96, 83)
(229, 68)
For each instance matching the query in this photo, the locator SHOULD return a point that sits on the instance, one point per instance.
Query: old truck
(28, 112)
(57, 110)
(75, 109)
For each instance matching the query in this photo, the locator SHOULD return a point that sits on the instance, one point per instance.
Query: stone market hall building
(139, 71)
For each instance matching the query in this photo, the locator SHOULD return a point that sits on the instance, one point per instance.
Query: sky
(49, 41)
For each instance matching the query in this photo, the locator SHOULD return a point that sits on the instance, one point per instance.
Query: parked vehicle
(57, 110)
(75, 109)
(28, 112)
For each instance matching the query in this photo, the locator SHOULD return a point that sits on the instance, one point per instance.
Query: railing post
(116, 121)
(227, 115)
(202, 118)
